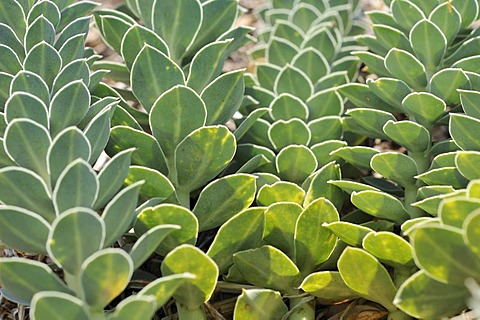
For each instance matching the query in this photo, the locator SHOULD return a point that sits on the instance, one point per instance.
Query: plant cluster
(270, 188)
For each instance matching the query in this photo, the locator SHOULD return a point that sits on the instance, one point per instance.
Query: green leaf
(218, 17)
(148, 242)
(10, 39)
(135, 308)
(266, 74)
(462, 129)
(388, 37)
(23, 188)
(23, 230)
(471, 228)
(145, 10)
(326, 128)
(12, 14)
(57, 305)
(72, 50)
(448, 19)
(268, 267)
(469, 64)
(5, 81)
(349, 233)
(259, 304)
(223, 97)
(152, 74)
(112, 176)
(425, 107)
(364, 275)
(454, 211)
(207, 64)
(280, 51)
(25, 105)
(325, 103)
(27, 143)
(313, 242)
(119, 214)
(177, 23)
(10, 63)
(319, 186)
(406, 13)
(23, 278)
(429, 44)
(322, 38)
(163, 288)
(39, 30)
(371, 120)
(147, 153)
(97, 132)
(279, 192)
(68, 107)
(156, 185)
(352, 186)
(105, 275)
(446, 82)
(280, 219)
(174, 116)
(423, 297)
(241, 232)
(32, 83)
(294, 81)
(395, 166)
(73, 12)
(134, 40)
(447, 176)
(312, 62)
(202, 155)
(390, 90)
(380, 205)
(224, 198)
(442, 253)
(113, 28)
(169, 214)
(77, 186)
(45, 61)
(409, 134)
(414, 75)
(75, 236)
(295, 163)
(186, 258)
(469, 103)
(361, 96)
(374, 62)
(324, 149)
(466, 163)
(357, 156)
(284, 133)
(328, 286)
(304, 16)
(287, 106)
(389, 248)
(468, 10)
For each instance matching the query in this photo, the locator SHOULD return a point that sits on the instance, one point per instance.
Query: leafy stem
(185, 313)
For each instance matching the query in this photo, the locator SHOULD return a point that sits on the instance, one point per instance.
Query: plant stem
(183, 198)
(305, 311)
(73, 282)
(411, 197)
(185, 313)
(423, 163)
(400, 276)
